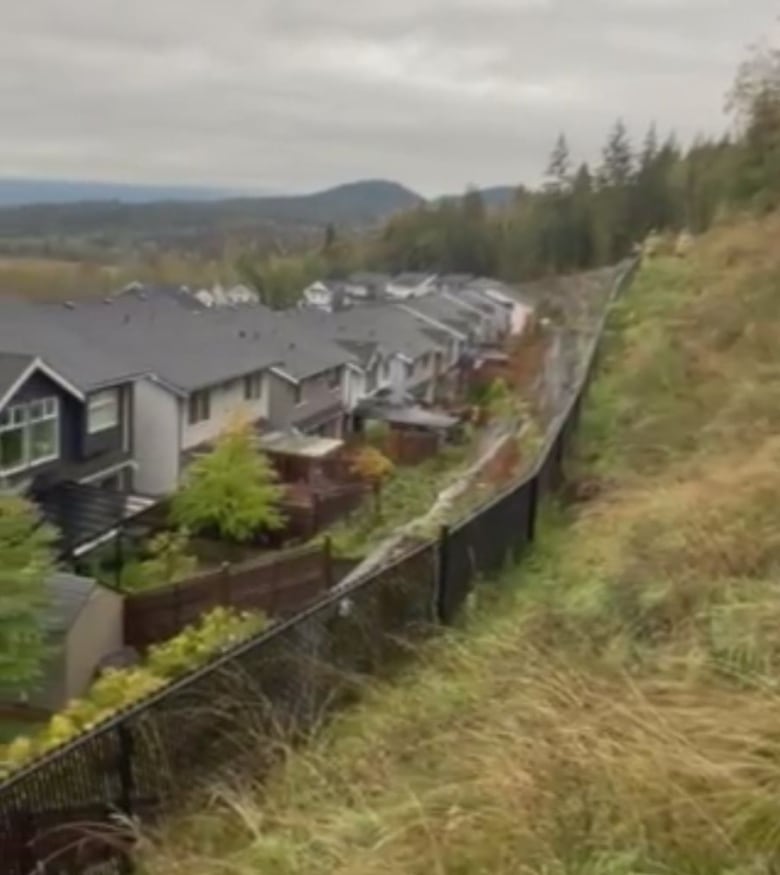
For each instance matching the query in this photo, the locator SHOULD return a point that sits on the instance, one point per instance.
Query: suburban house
(67, 427)
(194, 376)
(367, 285)
(308, 383)
(469, 326)
(494, 318)
(410, 285)
(520, 308)
(392, 349)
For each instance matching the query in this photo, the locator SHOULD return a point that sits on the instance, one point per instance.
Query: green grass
(613, 708)
(409, 493)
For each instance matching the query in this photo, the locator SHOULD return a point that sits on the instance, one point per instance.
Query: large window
(29, 435)
(103, 411)
(253, 387)
(200, 407)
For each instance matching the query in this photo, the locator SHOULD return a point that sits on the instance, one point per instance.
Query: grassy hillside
(613, 707)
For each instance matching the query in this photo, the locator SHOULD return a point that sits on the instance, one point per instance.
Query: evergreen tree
(617, 159)
(559, 168)
(26, 562)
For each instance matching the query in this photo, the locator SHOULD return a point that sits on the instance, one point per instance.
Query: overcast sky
(301, 94)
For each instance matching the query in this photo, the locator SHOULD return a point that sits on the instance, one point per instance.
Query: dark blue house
(66, 436)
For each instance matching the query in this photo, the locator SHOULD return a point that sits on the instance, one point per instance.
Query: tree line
(583, 215)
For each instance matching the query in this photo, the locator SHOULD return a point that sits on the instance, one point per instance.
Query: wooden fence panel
(279, 586)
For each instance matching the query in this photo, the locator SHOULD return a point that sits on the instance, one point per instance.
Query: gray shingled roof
(153, 293)
(67, 595)
(187, 350)
(38, 330)
(12, 366)
(300, 350)
(384, 324)
(444, 311)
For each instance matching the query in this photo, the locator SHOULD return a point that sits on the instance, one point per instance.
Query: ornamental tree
(233, 490)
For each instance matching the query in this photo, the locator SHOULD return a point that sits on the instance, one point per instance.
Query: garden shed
(83, 623)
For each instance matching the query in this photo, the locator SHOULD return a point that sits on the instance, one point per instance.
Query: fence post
(23, 835)
(225, 585)
(327, 562)
(533, 507)
(125, 769)
(442, 575)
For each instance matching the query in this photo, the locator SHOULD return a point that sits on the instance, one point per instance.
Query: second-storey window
(253, 387)
(199, 407)
(29, 435)
(334, 379)
(298, 394)
(103, 411)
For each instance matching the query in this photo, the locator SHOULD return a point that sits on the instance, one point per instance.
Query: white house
(410, 285)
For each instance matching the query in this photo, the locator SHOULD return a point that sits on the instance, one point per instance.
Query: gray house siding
(312, 404)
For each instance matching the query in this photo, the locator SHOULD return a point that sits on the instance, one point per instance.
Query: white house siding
(521, 316)
(355, 388)
(227, 402)
(156, 438)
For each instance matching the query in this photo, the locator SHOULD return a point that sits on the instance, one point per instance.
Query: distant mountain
(499, 195)
(494, 197)
(112, 223)
(24, 192)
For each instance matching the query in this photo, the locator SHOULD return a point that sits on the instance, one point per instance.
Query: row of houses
(103, 403)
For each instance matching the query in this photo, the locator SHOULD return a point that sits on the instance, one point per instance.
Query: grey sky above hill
(299, 94)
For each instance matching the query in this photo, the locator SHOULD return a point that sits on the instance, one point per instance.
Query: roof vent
(291, 346)
(242, 333)
(126, 319)
(70, 305)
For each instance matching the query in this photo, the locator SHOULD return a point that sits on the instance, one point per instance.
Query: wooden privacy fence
(406, 447)
(279, 585)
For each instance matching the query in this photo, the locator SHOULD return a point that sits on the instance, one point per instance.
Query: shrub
(232, 490)
(118, 688)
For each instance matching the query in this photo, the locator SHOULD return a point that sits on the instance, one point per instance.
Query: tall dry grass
(614, 707)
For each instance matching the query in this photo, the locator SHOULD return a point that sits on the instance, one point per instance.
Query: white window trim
(25, 426)
(102, 398)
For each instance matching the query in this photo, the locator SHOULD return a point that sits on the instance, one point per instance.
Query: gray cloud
(298, 94)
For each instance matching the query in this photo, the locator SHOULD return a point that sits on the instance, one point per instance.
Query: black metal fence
(69, 810)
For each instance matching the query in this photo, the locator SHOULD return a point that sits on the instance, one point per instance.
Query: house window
(103, 411)
(199, 407)
(29, 435)
(426, 361)
(253, 387)
(298, 394)
(334, 379)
